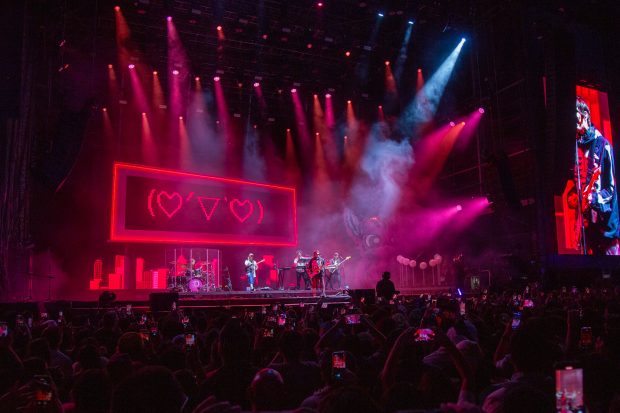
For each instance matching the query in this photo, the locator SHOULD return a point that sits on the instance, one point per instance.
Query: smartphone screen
(516, 320)
(352, 318)
(339, 364)
(528, 303)
(586, 339)
(190, 339)
(424, 334)
(42, 390)
(4, 329)
(569, 388)
(281, 320)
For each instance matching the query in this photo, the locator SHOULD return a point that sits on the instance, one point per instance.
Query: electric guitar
(255, 265)
(316, 271)
(334, 267)
(588, 189)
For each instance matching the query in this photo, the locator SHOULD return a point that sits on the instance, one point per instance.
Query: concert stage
(157, 300)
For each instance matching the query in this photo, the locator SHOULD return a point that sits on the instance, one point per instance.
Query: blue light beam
(424, 105)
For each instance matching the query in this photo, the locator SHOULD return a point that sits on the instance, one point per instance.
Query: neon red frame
(120, 234)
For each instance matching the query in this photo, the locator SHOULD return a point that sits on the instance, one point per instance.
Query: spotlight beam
(424, 105)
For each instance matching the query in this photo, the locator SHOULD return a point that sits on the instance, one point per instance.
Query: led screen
(158, 205)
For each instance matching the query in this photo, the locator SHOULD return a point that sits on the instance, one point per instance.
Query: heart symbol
(241, 210)
(169, 205)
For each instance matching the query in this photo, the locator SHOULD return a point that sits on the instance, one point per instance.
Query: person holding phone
(301, 378)
(532, 355)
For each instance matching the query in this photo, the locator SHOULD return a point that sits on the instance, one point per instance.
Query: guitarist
(594, 177)
(334, 266)
(316, 269)
(250, 269)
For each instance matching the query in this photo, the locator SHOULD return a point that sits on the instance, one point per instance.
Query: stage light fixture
(348, 102)
(175, 72)
(117, 8)
(309, 45)
(197, 78)
(131, 66)
(293, 90)
(380, 107)
(104, 109)
(380, 14)
(169, 18)
(463, 40)
(328, 96)
(410, 22)
(180, 117)
(419, 70)
(459, 208)
(256, 84)
(154, 72)
(219, 28)
(110, 66)
(216, 78)
(481, 110)
(143, 114)
(319, 4)
(387, 62)
(347, 53)
(452, 124)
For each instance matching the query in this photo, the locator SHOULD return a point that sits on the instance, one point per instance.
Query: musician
(250, 270)
(594, 176)
(316, 269)
(300, 269)
(334, 275)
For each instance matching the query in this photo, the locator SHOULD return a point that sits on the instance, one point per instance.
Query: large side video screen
(165, 206)
(587, 209)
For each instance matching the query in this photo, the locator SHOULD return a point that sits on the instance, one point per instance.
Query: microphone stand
(582, 245)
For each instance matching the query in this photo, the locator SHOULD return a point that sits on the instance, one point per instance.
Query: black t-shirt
(386, 289)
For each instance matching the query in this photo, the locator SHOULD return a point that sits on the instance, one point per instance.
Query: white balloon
(406, 261)
(432, 263)
(398, 259)
(423, 265)
(437, 256)
(439, 260)
(412, 263)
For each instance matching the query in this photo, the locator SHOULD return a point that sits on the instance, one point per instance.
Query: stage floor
(140, 300)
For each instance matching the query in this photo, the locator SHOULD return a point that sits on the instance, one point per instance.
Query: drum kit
(192, 276)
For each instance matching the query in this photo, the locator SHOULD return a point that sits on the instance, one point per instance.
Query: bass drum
(195, 285)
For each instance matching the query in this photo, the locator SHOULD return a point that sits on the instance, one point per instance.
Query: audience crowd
(494, 351)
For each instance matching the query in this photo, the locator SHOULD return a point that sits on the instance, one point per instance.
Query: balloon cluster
(436, 260)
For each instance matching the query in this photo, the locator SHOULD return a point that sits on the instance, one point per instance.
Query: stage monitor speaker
(163, 301)
(368, 295)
